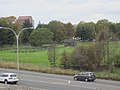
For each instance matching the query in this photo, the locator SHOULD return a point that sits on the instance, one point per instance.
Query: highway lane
(62, 82)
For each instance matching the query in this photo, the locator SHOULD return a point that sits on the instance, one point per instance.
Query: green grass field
(38, 57)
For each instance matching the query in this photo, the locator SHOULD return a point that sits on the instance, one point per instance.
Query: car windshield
(13, 75)
(82, 73)
(86, 73)
(90, 73)
(4, 75)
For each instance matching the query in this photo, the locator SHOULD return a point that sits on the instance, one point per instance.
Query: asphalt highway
(44, 81)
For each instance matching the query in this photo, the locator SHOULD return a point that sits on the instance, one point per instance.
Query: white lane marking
(69, 82)
(101, 85)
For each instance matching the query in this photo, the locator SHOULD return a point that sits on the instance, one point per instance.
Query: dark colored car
(85, 76)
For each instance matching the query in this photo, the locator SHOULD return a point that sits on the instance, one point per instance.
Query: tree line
(56, 31)
(82, 57)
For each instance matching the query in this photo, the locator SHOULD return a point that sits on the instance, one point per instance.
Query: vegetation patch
(115, 75)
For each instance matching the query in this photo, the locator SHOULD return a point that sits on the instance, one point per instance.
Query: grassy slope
(39, 57)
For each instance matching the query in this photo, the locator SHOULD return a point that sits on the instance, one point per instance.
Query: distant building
(21, 20)
(70, 42)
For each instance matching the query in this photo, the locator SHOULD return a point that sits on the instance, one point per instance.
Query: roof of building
(24, 17)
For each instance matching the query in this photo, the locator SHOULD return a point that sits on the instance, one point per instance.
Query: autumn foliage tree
(70, 29)
(7, 37)
(58, 30)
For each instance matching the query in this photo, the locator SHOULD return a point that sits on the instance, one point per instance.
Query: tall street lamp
(17, 41)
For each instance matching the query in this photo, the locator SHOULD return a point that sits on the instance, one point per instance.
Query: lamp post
(17, 41)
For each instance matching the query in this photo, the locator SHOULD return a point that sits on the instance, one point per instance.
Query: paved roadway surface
(43, 81)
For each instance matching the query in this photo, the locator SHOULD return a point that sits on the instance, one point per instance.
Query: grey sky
(72, 11)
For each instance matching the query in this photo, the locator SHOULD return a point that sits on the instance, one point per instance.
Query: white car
(9, 78)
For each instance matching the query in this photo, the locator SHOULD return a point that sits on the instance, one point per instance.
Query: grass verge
(31, 67)
(115, 75)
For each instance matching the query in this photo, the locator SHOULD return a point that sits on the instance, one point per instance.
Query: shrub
(87, 58)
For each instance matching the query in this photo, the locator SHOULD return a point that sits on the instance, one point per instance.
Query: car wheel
(15, 82)
(75, 78)
(5, 81)
(86, 80)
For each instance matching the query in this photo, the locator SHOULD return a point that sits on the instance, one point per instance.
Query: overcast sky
(72, 11)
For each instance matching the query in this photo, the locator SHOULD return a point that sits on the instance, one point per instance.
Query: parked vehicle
(85, 76)
(9, 78)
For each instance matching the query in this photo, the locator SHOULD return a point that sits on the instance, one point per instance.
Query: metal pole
(17, 40)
